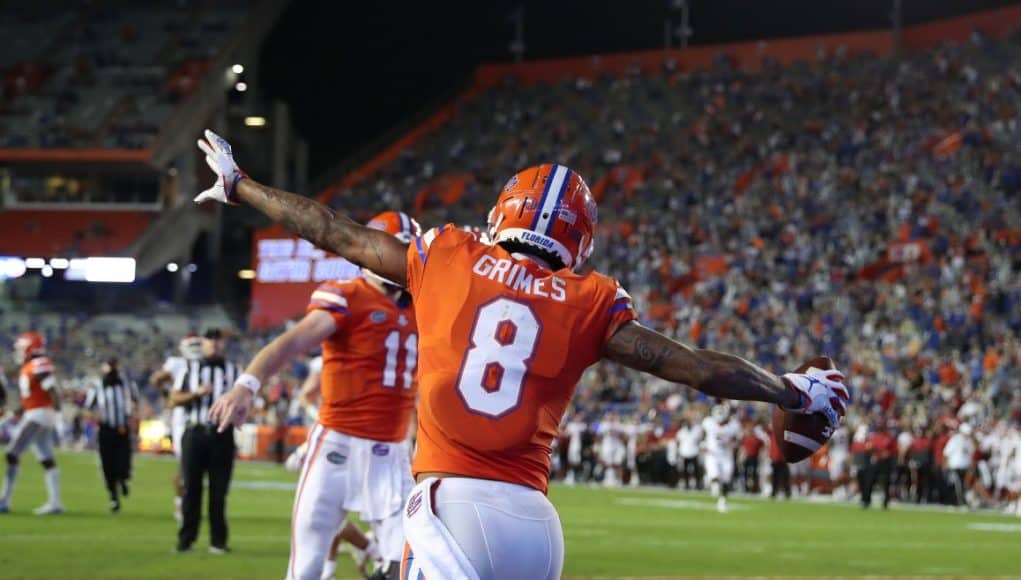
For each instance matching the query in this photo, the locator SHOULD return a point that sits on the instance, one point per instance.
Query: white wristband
(250, 382)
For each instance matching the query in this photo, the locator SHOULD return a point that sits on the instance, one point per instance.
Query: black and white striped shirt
(215, 372)
(113, 399)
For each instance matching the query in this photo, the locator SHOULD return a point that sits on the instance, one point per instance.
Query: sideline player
(507, 329)
(611, 449)
(722, 433)
(40, 399)
(838, 449)
(173, 372)
(358, 458)
(575, 430)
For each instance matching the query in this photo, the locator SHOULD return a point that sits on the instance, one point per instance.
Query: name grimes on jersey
(517, 278)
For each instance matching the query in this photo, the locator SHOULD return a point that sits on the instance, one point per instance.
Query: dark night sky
(352, 70)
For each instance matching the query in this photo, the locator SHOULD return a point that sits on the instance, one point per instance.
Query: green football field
(609, 533)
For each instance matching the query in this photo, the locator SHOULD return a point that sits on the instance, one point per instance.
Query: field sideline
(618, 533)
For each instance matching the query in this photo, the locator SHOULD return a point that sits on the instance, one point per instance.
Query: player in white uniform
(839, 453)
(173, 371)
(575, 430)
(1008, 473)
(722, 434)
(611, 449)
(633, 431)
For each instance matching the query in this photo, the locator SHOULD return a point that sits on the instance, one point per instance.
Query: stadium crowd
(862, 207)
(82, 74)
(855, 206)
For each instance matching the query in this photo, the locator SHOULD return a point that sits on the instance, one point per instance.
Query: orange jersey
(368, 386)
(33, 381)
(503, 344)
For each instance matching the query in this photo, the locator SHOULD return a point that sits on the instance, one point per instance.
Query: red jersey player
(506, 329)
(358, 457)
(39, 399)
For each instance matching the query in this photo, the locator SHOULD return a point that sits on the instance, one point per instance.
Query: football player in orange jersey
(40, 400)
(506, 330)
(358, 458)
(363, 547)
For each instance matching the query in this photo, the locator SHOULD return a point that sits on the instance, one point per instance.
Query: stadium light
(59, 263)
(246, 274)
(11, 268)
(109, 269)
(192, 267)
(47, 271)
(172, 267)
(241, 87)
(238, 69)
(34, 263)
(255, 121)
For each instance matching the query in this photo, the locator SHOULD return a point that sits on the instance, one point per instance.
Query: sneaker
(180, 549)
(115, 506)
(219, 550)
(48, 510)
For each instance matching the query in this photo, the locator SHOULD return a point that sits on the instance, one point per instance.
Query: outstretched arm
(728, 376)
(711, 372)
(323, 226)
(233, 407)
(314, 328)
(328, 229)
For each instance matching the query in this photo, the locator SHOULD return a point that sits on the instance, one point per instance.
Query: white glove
(220, 159)
(822, 391)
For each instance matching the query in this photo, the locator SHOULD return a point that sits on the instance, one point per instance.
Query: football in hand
(797, 435)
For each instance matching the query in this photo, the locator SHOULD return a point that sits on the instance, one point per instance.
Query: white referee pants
(347, 474)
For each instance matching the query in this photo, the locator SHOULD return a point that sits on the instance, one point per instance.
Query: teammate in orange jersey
(506, 330)
(39, 399)
(358, 458)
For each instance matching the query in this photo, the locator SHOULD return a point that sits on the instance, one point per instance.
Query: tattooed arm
(714, 373)
(328, 229)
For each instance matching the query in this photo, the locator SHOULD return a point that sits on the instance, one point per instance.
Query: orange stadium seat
(69, 233)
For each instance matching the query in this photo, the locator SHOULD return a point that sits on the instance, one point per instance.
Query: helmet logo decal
(556, 185)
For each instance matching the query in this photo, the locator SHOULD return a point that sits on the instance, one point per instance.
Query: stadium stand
(875, 210)
(70, 233)
(102, 75)
(853, 204)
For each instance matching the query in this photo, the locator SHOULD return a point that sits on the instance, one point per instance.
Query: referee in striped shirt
(203, 450)
(112, 400)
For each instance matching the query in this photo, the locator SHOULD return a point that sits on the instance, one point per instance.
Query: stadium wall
(275, 302)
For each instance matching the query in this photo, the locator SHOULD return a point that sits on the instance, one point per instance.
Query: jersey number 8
(504, 337)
